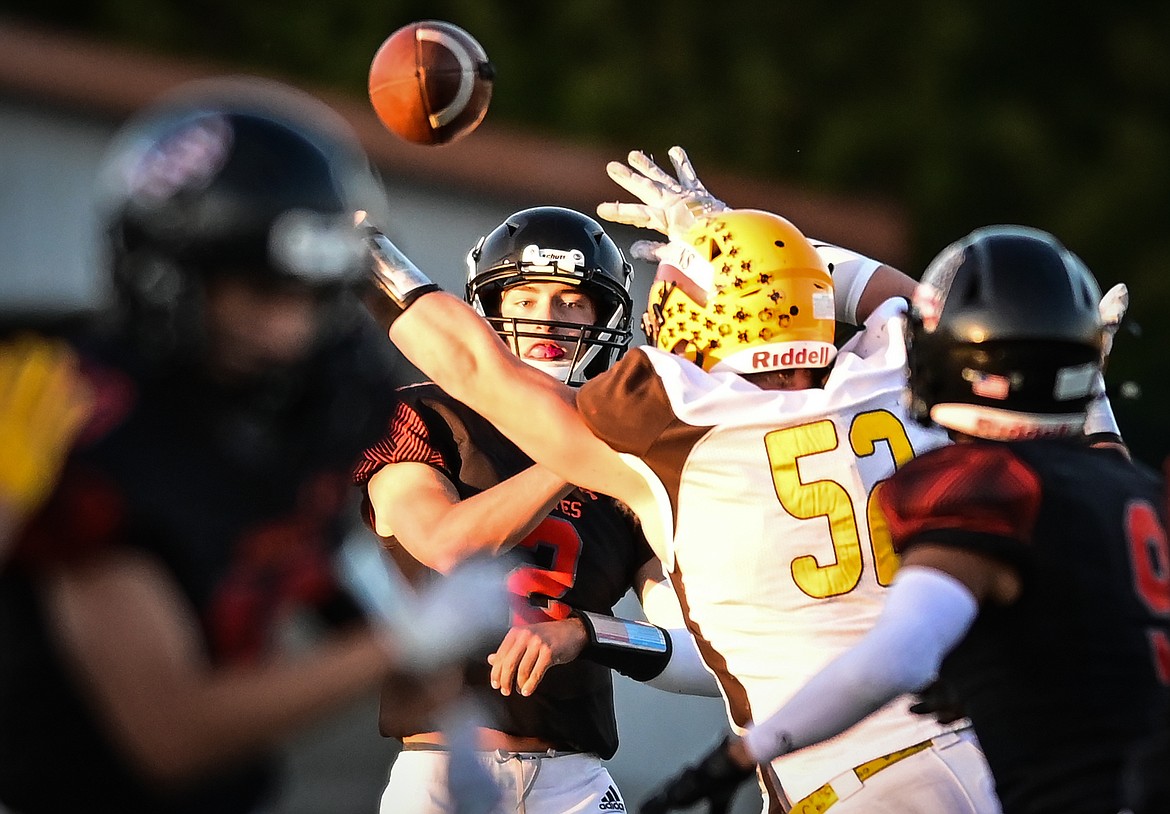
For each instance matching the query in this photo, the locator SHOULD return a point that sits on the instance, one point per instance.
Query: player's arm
(123, 623)
(685, 671)
(669, 204)
(445, 339)
(419, 506)
(660, 652)
(1101, 426)
(930, 606)
(860, 283)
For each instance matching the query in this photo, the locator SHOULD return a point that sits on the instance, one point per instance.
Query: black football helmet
(1004, 337)
(552, 244)
(239, 178)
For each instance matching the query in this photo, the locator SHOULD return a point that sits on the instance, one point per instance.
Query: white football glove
(669, 204)
(464, 612)
(1112, 309)
(1099, 417)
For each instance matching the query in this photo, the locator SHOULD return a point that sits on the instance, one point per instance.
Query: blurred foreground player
(232, 393)
(1036, 571)
(445, 485)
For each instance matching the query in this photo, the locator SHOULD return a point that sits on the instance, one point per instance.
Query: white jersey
(766, 520)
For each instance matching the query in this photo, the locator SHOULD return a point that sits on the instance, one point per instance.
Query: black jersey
(241, 499)
(583, 556)
(1061, 684)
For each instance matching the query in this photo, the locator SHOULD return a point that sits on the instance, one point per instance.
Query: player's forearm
(861, 283)
(491, 522)
(459, 351)
(886, 282)
(123, 622)
(685, 673)
(925, 615)
(442, 336)
(228, 715)
(454, 346)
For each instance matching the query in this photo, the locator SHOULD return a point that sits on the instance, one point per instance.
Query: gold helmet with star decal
(747, 293)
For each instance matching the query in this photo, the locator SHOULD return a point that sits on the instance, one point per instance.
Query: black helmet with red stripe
(1004, 336)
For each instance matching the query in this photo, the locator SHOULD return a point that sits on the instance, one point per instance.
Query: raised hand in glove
(44, 402)
(1112, 309)
(715, 778)
(669, 204)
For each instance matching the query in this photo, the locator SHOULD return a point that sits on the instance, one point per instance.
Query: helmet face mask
(555, 245)
(765, 302)
(1004, 337)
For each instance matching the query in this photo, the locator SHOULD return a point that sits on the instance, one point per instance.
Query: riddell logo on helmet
(791, 357)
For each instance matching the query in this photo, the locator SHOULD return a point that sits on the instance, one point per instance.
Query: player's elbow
(445, 561)
(445, 549)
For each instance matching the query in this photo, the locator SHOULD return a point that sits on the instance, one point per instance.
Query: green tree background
(1054, 114)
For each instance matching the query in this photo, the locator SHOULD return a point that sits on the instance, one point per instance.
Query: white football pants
(529, 783)
(950, 777)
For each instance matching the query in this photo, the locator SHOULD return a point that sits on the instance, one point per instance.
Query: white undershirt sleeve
(927, 612)
(851, 272)
(685, 673)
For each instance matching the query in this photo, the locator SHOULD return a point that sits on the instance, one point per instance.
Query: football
(430, 82)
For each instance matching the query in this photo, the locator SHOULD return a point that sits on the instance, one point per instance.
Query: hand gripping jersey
(583, 556)
(1062, 684)
(766, 518)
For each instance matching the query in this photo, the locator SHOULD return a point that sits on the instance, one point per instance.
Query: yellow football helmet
(749, 293)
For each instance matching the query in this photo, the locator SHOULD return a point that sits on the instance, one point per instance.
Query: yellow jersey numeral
(829, 499)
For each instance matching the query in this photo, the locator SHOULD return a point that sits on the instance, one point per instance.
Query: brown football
(430, 82)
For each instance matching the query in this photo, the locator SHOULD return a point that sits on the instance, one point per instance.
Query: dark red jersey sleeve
(626, 406)
(976, 496)
(408, 439)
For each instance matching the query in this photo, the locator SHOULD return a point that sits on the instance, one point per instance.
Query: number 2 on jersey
(829, 499)
(555, 548)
